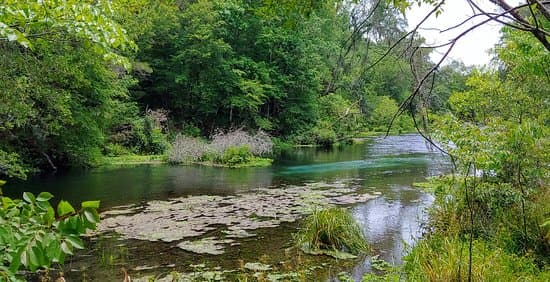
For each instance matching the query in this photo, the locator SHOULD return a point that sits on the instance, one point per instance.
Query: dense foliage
(498, 132)
(94, 78)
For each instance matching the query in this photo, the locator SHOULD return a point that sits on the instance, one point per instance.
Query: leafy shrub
(190, 130)
(324, 136)
(381, 111)
(157, 143)
(236, 155)
(500, 215)
(11, 165)
(188, 149)
(259, 144)
(331, 231)
(115, 150)
(279, 145)
(34, 236)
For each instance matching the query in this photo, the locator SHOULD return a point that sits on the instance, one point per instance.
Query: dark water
(381, 165)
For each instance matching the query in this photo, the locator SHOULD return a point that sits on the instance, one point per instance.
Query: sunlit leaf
(44, 196)
(90, 204)
(64, 208)
(29, 197)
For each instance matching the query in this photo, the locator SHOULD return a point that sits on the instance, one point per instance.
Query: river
(382, 167)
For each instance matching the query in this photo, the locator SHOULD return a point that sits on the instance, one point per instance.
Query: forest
(85, 84)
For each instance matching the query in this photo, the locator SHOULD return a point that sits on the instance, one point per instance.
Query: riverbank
(471, 235)
(130, 160)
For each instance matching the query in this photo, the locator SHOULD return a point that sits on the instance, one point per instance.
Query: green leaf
(66, 248)
(64, 208)
(16, 261)
(91, 215)
(53, 251)
(90, 204)
(44, 196)
(49, 217)
(7, 202)
(75, 241)
(2, 183)
(43, 206)
(29, 197)
(33, 257)
(24, 258)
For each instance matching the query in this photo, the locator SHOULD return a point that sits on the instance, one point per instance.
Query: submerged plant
(332, 232)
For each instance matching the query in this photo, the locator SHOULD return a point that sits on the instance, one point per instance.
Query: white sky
(473, 48)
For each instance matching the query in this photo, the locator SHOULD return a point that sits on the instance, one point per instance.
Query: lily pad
(208, 245)
(256, 266)
(235, 215)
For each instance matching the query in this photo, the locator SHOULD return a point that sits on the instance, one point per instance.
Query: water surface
(386, 166)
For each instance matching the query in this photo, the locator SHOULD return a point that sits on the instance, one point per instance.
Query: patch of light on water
(358, 164)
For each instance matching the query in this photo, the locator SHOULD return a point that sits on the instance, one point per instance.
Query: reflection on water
(385, 165)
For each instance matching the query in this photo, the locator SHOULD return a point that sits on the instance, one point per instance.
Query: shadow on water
(386, 166)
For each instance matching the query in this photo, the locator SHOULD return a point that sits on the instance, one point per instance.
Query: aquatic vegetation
(234, 216)
(257, 266)
(209, 245)
(333, 232)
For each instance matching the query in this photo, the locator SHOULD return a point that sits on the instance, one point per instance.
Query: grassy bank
(129, 160)
(133, 160)
(484, 228)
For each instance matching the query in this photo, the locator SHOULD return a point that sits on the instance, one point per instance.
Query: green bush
(235, 156)
(157, 143)
(115, 150)
(12, 166)
(34, 236)
(331, 231)
(324, 136)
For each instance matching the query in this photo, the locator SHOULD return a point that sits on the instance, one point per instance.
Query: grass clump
(440, 258)
(332, 232)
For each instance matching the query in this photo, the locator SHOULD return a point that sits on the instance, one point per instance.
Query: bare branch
(541, 36)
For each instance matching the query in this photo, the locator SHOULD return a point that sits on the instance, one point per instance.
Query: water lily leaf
(256, 266)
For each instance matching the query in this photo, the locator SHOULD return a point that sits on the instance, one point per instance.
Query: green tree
(59, 81)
